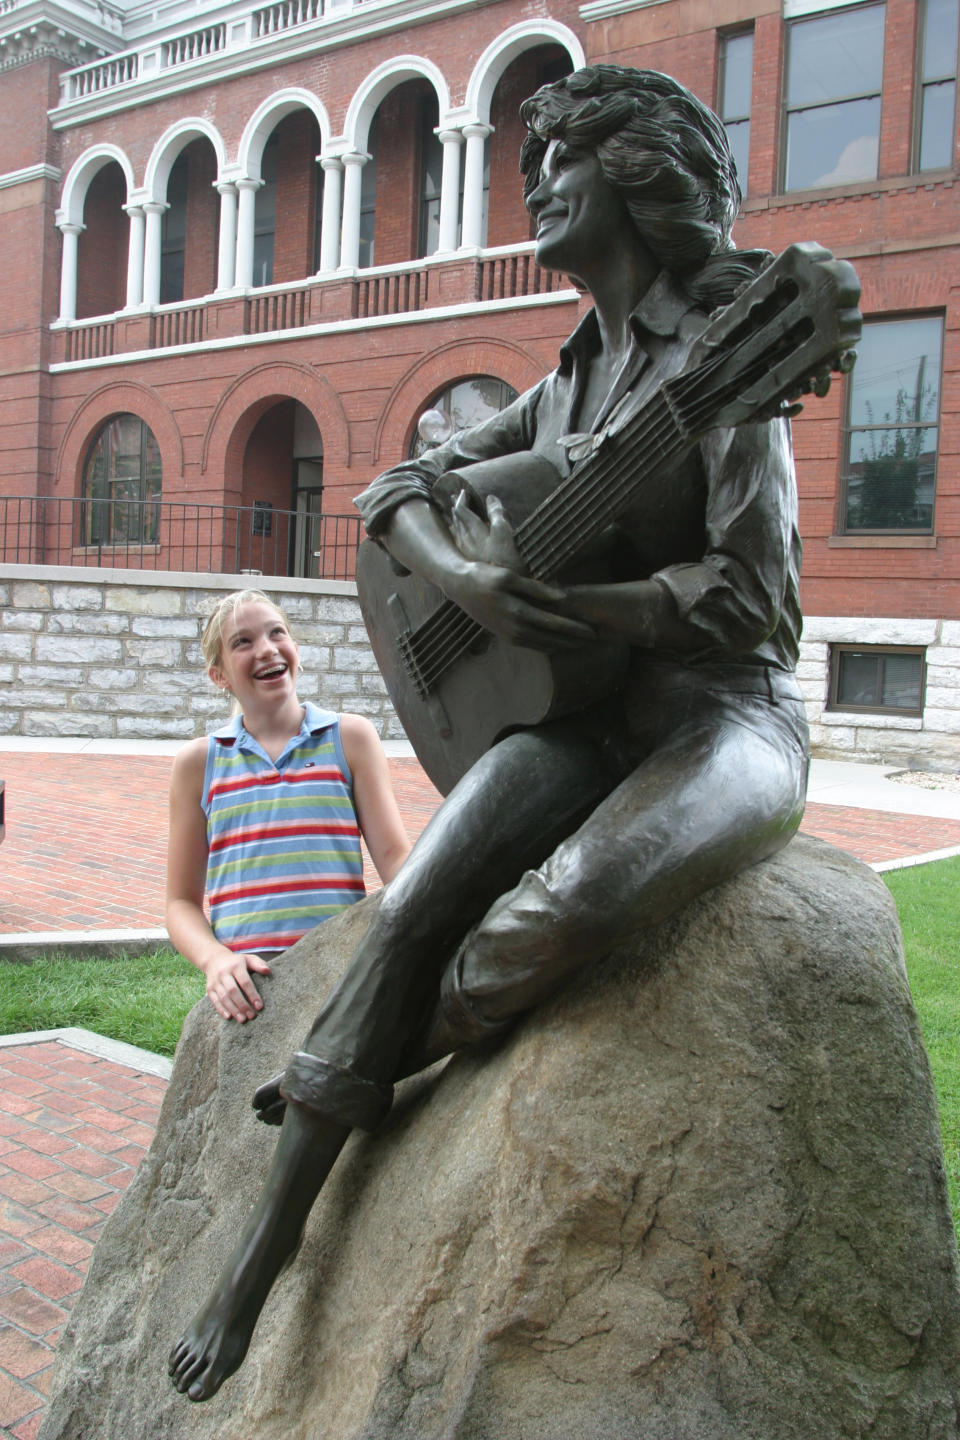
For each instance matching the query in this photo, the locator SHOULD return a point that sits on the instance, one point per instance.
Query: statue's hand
(268, 1102)
(490, 538)
(515, 607)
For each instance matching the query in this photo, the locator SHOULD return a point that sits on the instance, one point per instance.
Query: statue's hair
(211, 641)
(666, 154)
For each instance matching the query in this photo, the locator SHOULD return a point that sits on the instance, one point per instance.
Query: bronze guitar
(780, 338)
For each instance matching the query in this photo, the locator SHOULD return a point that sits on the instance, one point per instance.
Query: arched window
(459, 406)
(121, 485)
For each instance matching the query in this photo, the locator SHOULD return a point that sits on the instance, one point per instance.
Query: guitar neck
(601, 488)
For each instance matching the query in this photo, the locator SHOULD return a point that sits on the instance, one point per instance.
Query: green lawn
(141, 999)
(928, 901)
(144, 999)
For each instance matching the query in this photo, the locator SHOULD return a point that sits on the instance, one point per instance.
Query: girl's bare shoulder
(190, 761)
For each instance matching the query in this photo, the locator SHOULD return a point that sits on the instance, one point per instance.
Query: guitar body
(498, 688)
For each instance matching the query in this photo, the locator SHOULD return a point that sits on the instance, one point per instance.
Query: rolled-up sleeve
(733, 598)
(512, 430)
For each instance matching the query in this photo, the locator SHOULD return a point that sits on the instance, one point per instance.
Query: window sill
(871, 719)
(119, 549)
(882, 542)
(923, 180)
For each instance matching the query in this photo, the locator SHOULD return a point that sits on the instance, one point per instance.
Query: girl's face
(258, 656)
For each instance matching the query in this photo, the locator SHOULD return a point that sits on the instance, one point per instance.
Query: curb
(25, 948)
(116, 1050)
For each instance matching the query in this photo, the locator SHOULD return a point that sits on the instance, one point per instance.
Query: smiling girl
(266, 814)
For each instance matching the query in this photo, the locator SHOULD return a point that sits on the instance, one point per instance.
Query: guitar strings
(449, 632)
(554, 531)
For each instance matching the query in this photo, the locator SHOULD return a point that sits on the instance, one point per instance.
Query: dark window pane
(902, 676)
(936, 126)
(891, 479)
(738, 136)
(833, 144)
(897, 374)
(121, 476)
(474, 400)
(467, 403)
(736, 77)
(939, 39)
(858, 680)
(835, 56)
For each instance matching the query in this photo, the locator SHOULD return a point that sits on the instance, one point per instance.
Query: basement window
(878, 679)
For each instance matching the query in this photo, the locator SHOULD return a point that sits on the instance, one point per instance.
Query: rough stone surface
(700, 1196)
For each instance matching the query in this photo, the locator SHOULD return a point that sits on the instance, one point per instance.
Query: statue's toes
(269, 1103)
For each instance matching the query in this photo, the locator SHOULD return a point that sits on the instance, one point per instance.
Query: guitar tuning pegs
(846, 361)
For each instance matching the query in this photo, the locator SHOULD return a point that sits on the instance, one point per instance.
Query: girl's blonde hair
(211, 641)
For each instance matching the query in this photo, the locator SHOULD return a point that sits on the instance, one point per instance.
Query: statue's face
(578, 214)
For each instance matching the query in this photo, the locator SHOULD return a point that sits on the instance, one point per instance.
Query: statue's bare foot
(268, 1102)
(214, 1344)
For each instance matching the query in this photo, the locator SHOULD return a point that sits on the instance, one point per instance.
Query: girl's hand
(230, 986)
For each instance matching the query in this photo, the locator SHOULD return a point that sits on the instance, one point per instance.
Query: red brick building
(246, 247)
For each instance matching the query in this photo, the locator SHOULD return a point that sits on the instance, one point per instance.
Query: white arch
(504, 50)
(267, 117)
(379, 83)
(82, 172)
(168, 147)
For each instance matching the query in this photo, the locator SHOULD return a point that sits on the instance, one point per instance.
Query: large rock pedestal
(700, 1196)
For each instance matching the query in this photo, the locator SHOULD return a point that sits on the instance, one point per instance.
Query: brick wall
(106, 655)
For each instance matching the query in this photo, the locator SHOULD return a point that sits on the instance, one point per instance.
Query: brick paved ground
(86, 837)
(73, 1128)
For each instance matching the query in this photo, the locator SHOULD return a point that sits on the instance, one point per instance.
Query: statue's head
(663, 151)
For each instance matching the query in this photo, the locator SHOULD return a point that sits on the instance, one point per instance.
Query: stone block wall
(927, 741)
(112, 654)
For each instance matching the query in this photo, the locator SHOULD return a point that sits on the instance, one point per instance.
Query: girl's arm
(229, 983)
(373, 797)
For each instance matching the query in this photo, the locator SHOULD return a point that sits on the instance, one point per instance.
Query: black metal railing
(173, 535)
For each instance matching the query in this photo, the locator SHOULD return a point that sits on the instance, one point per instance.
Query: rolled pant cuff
(464, 1020)
(335, 1092)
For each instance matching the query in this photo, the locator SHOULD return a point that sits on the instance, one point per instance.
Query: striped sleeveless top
(283, 838)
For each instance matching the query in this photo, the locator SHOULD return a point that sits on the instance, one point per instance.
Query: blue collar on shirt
(235, 733)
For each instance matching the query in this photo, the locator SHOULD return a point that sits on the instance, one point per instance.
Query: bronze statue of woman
(566, 833)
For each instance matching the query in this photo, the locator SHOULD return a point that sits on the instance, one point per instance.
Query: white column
(451, 140)
(68, 268)
(246, 220)
(472, 234)
(227, 240)
(154, 210)
(350, 229)
(330, 221)
(135, 248)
